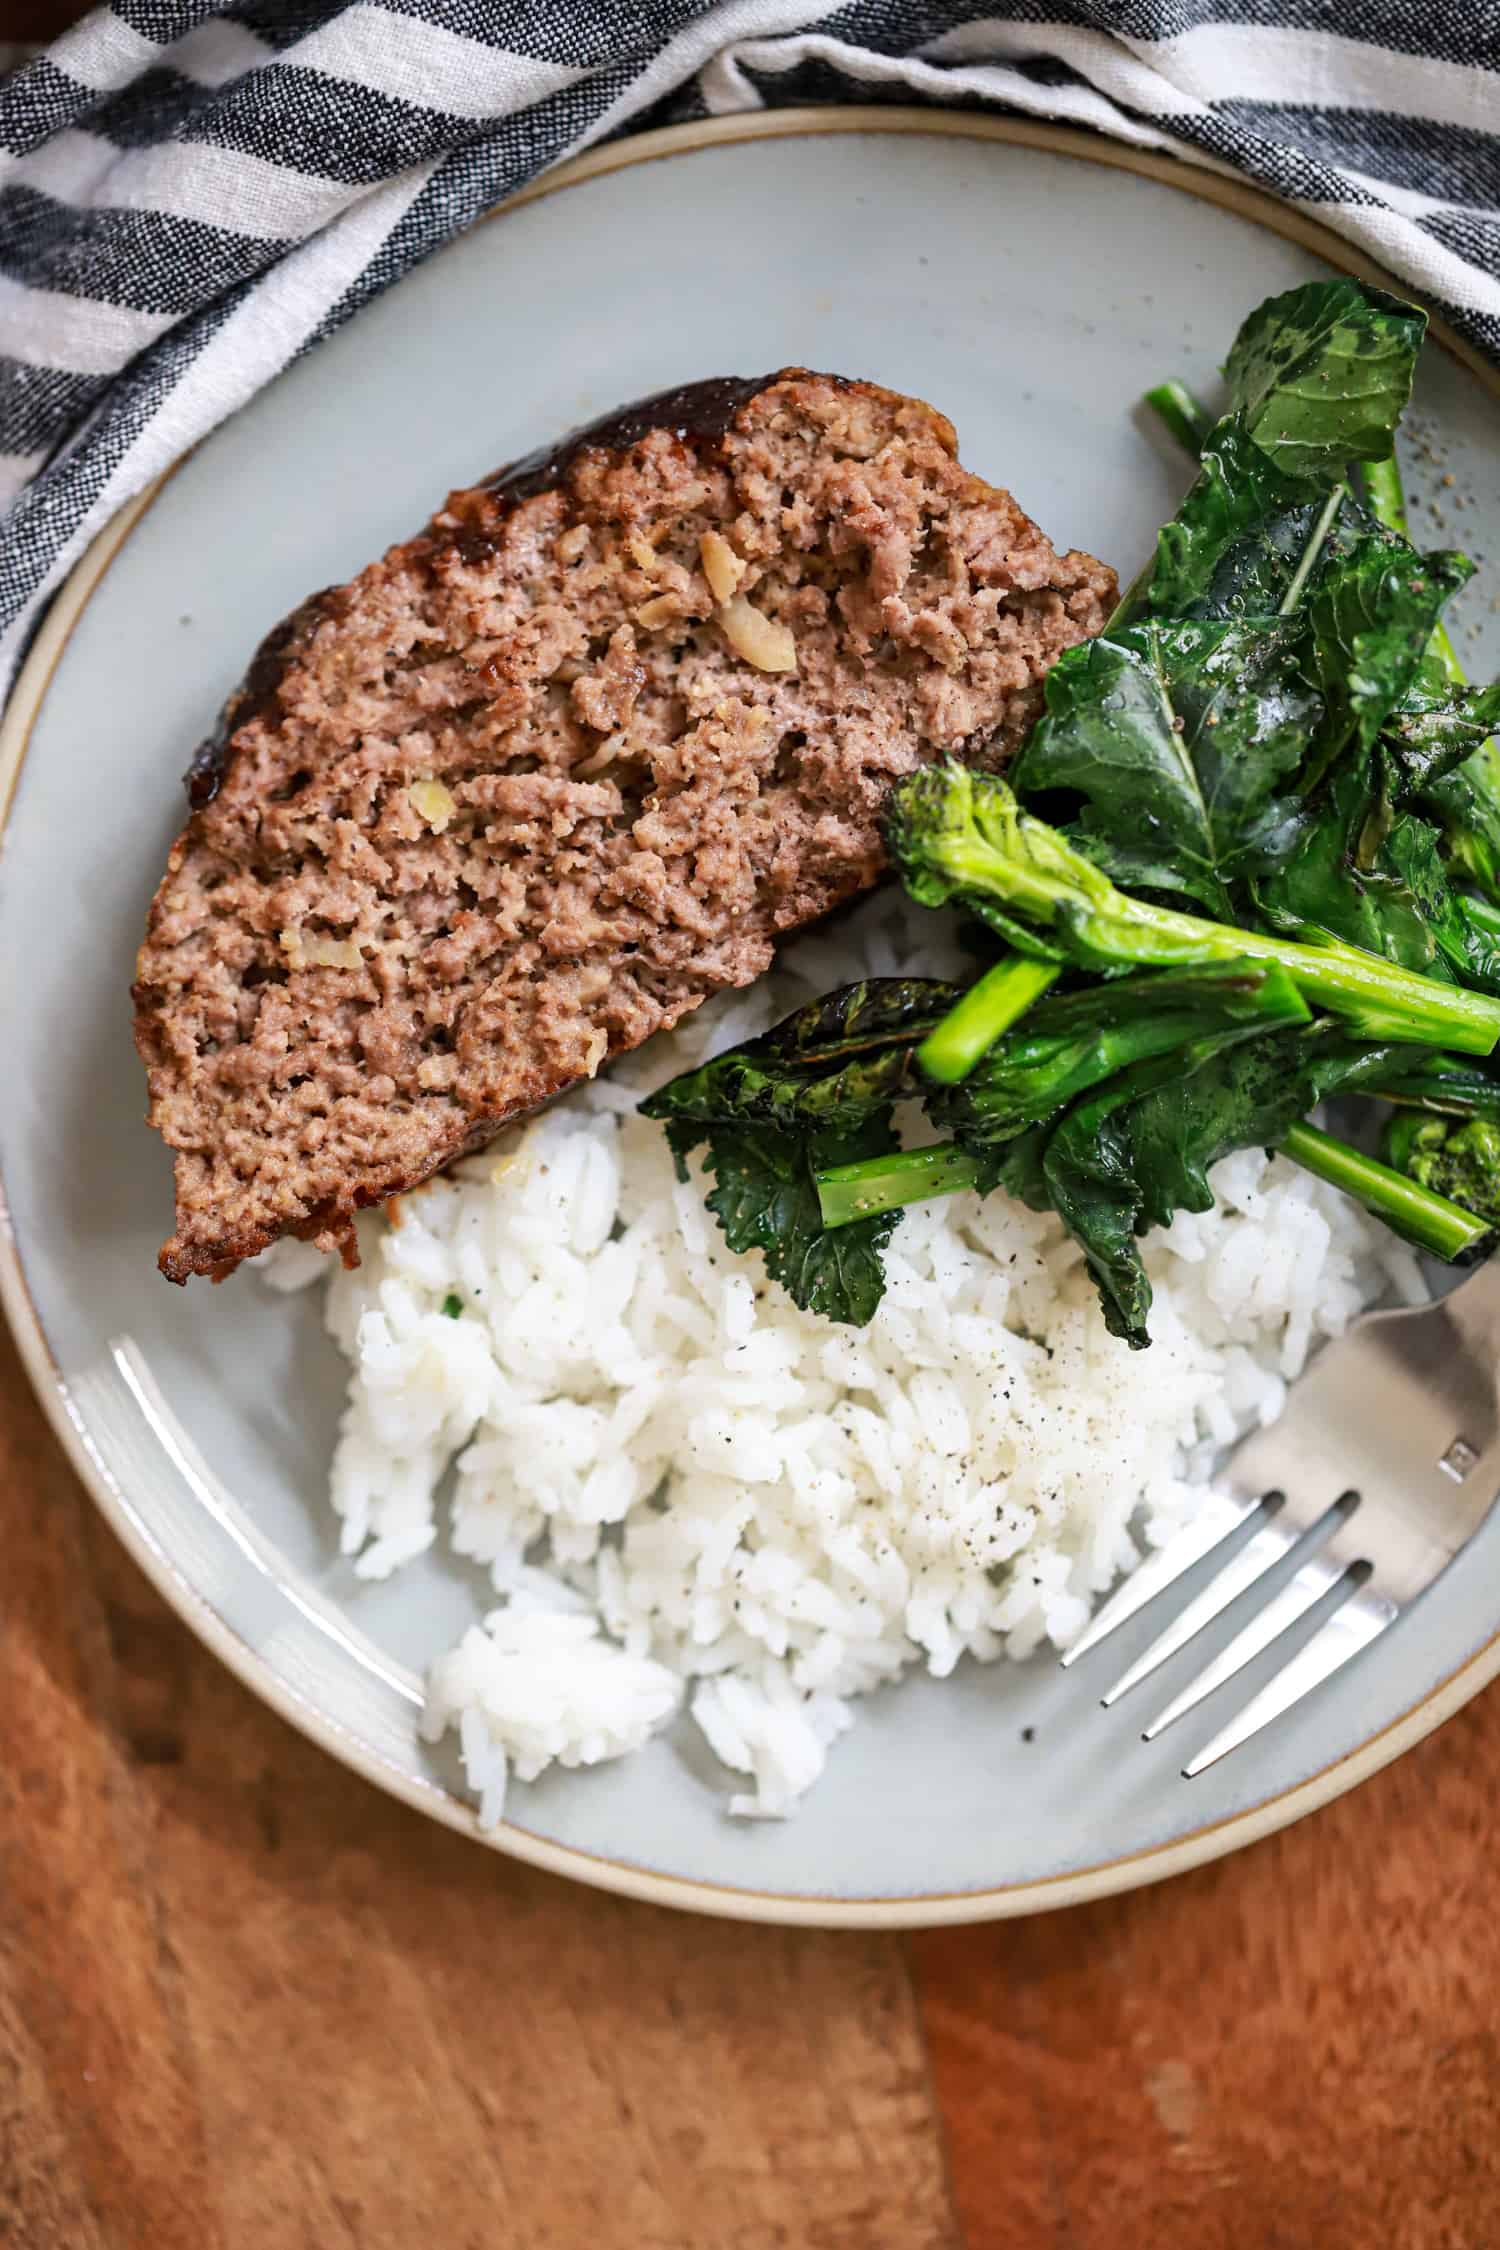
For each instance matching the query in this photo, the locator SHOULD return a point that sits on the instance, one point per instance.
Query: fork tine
(1159, 1571)
(1250, 1563)
(1350, 1628)
(1269, 1546)
(1291, 1601)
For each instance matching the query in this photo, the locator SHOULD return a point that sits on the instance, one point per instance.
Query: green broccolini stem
(1183, 417)
(1384, 496)
(1431, 1222)
(1484, 915)
(1445, 1230)
(883, 1183)
(987, 1009)
(1036, 876)
(1386, 501)
(1189, 422)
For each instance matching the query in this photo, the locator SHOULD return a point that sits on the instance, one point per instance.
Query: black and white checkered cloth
(192, 194)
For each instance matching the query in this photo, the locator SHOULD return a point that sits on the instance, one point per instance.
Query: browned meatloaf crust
(543, 778)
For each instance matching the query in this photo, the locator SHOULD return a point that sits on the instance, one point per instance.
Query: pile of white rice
(684, 1489)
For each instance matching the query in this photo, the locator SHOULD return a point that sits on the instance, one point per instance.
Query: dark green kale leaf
(1129, 1157)
(1370, 619)
(1317, 379)
(836, 1061)
(1434, 758)
(857, 1019)
(1463, 941)
(1249, 538)
(1327, 883)
(1361, 860)
(815, 1091)
(1436, 730)
(1088, 1169)
(1238, 540)
(1448, 769)
(765, 1198)
(1246, 1096)
(1381, 880)
(1019, 1167)
(1089, 1166)
(1176, 741)
(1320, 376)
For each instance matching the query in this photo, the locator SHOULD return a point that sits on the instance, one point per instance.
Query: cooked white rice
(741, 1503)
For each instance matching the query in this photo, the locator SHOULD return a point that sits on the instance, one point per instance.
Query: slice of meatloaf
(539, 781)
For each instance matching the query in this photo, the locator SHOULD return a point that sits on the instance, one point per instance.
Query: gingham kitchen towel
(191, 194)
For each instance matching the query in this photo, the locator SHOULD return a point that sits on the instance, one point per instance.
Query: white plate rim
(918, 1911)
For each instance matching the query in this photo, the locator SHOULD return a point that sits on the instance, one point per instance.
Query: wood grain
(244, 1998)
(1296, 2047)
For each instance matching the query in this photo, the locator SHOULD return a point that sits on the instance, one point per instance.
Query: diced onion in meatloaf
(542, 779)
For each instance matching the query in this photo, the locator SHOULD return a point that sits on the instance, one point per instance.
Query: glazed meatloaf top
(547, 775)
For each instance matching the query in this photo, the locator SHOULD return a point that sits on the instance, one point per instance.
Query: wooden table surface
(247, 2000)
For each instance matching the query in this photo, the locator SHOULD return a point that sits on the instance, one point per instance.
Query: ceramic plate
(1032, 287)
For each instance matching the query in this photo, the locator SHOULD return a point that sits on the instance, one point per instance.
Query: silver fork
(1383, 1465)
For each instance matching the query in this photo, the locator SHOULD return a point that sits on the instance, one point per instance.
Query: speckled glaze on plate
(1031, 283)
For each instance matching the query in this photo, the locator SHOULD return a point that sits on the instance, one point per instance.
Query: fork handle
(1404, 1411)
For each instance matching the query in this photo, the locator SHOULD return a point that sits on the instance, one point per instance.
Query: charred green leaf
(1178, 741)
